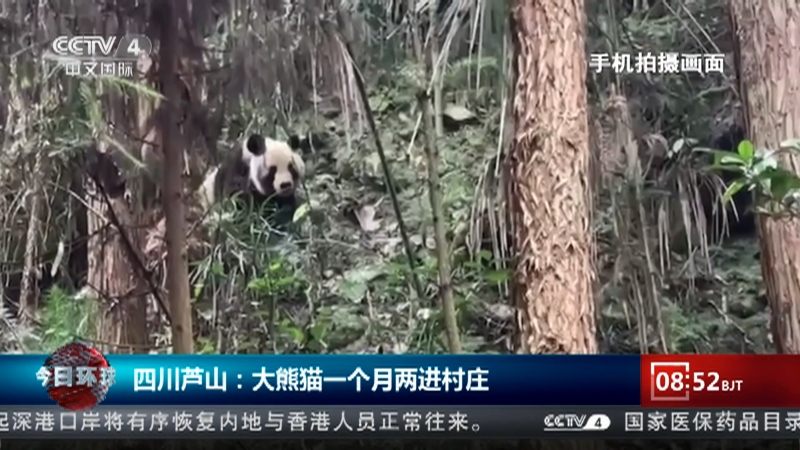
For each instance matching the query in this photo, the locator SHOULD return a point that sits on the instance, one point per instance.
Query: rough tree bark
(122, 319)
(768, 64)
(177, 264)
(549, 191)
(27, 96)
(114, 239)
(29, 292)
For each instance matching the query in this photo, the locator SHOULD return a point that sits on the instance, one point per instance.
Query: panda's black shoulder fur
(730, 139)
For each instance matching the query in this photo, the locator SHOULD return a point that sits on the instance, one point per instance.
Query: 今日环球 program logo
(77, 376)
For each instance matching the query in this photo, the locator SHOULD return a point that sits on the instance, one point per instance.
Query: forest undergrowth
(340, 282)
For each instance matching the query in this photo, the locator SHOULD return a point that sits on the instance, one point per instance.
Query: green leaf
(726, 168)
(496, 276)
(782, 183)
(731, 159)
(746, 150)
(678, 146)
(352, 290)
(791, 144)
(258, 285)
(300, 212)
(733, 188)
(295, 334)
(726, 158)
(766, 164)
(471, 265)
(318, 331)
(217, 268)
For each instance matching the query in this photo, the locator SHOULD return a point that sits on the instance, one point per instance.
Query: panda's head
(276, 168)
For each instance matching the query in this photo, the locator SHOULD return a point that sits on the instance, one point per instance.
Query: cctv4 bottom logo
(576, 422)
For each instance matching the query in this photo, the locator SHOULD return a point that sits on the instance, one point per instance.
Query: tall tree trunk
(768, 66)
(26, 96)
(122, 318)
(29, 292)
(549, 190)
(115, 239)
(432, 131)
(177, 264)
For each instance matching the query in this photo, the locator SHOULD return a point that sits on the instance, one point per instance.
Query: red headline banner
(735, 381)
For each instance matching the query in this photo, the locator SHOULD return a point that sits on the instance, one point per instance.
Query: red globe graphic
(77, 397)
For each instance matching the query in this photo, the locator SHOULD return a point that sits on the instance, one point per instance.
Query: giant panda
(262, 171)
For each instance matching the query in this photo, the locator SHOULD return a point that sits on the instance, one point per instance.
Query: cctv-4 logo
(130, 47)
(576, 422)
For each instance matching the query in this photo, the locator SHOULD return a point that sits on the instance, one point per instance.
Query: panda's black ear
(256, 145)
(295, 142)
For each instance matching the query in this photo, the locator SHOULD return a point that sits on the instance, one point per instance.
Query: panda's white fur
(262, 167)
(206, 191)
(261, 157)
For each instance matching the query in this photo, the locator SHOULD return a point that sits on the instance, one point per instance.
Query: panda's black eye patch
(270, 177)
(293, 171)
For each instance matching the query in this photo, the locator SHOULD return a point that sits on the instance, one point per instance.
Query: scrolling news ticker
(743, 381)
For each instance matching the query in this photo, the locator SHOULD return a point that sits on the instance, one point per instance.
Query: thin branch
(362, 92)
